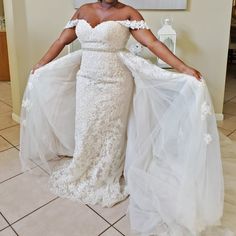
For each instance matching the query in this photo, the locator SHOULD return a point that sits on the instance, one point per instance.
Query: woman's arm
(148, 39)
(67, 36)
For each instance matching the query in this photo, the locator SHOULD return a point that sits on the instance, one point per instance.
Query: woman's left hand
(191, 71)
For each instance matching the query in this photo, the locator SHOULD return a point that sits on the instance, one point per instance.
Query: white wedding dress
(132, 128)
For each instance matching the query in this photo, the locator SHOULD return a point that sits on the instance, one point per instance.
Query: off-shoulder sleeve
(134, 24)
(71, 24)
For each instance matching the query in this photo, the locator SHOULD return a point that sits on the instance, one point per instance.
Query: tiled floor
(27, 208)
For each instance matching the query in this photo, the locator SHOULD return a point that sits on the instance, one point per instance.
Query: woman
(120, 116)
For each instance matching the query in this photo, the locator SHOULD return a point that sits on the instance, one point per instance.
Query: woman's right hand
(37, 66)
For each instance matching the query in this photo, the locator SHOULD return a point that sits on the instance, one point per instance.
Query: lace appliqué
(103, 95)
(71, 24)
(205, 110)
(207, 138)
(27, 104)
(133, 24)
(202, 83)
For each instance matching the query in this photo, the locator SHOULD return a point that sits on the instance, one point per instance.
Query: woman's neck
(108, 4)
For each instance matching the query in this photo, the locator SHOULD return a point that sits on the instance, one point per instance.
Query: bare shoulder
(133, 13)
(85, 8)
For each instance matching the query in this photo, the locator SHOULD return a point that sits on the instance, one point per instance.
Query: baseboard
(15, 117)
(219, 116)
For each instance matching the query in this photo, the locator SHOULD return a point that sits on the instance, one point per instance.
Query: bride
(132, 128)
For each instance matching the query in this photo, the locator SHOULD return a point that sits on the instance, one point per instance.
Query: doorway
(5, 83)
(228, 126)
(4, 62)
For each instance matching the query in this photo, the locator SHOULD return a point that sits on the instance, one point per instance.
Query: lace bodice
(109, 35)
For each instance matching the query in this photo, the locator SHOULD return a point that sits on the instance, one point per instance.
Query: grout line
(231, 132)
(7, 141)
(105, 230)
(119, 219)
(14, 231)
(5, 103)
(12, 177)
(4, 228)
(40, 167)
(34, 211)
(6, 149)
(98, 214)
(227, 130)
(5, 220)
(118, 230)
(16, 175)
(17, 148)
(9, 127)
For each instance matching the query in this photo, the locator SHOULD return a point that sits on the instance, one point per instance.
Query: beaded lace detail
(95, 174)
(132, 24)
(71, 24)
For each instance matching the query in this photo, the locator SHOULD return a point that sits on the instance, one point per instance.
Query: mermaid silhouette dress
(132, 128)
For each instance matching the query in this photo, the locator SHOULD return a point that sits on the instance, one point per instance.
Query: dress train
(173, 164)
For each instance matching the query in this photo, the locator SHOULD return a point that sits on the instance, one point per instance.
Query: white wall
(31, 28)
(203, 34)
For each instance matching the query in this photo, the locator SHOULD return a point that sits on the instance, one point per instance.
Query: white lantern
(167, 35)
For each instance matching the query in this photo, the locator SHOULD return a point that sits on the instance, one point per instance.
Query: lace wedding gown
(132, 128)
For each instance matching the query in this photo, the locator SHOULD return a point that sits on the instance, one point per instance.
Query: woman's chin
(109, 1)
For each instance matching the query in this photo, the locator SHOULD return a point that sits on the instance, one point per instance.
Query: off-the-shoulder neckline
(106, 21)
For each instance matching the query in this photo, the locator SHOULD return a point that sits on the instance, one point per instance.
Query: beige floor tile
(224, 131)
(59, 218)
(123, 226)
(7, 232)
(4, 108)
(229, 217)
(10, 164)
(5, 92)
(4, 145)
(111, 232)
(229, 94)
(229, 167)
(233, 136)
(53, 164)
(6, 121)
(233, 99)
(229, 122)
(114, 213)
(3, 223)
(7, 100)
(231, 84)
(230, 108)
(24, 193)
(12, 134)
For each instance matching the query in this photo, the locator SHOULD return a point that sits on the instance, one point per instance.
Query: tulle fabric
(48, 112)
(173, 163)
